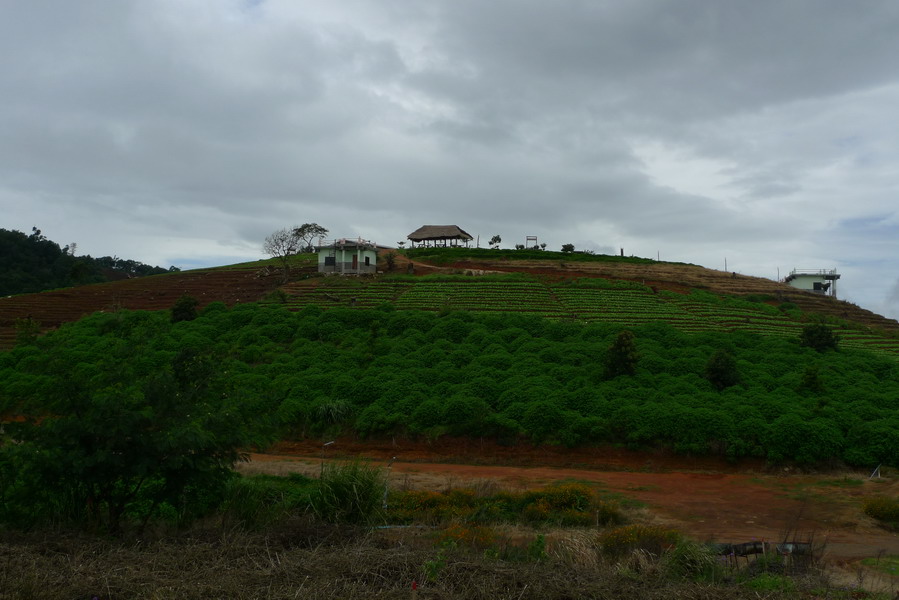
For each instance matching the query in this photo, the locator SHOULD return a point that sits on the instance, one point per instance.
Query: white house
(819, 281)
(348, 257)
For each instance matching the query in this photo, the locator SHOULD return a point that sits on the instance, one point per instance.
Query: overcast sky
(182, 132)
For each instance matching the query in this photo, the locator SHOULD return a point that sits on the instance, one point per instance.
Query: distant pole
(479, 240)
(657, 256)
(778, 273)
(725, 263)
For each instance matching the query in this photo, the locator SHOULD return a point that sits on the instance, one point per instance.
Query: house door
(355, 262)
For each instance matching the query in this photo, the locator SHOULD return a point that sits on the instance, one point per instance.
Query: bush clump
(652, 539)
(351, 492)
(567, 504)
(883, 509)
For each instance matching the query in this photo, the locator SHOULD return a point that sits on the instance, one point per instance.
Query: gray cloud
(182, 131)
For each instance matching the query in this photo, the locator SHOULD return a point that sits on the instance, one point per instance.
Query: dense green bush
(510, 377)
(819, 336)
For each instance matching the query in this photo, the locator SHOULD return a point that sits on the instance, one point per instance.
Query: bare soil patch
(246, 283)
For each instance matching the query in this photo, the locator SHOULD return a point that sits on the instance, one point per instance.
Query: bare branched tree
(281, 244)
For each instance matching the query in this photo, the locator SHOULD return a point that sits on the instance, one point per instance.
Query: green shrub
(351, 492)
(184, 309)
(819, 336)
(770, 582)
(648, 538)
(261, 500)
(689, 560)
(883, 509)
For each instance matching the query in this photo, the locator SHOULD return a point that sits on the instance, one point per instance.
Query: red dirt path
(705, 498)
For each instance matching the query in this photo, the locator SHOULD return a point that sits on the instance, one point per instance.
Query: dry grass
(305, 560)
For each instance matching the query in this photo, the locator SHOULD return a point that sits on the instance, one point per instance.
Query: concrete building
(348, 257)
(819, 281)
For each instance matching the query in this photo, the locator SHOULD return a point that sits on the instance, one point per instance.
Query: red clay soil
(706, 498)
(245, 283)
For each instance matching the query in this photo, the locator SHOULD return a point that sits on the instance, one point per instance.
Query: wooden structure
(348, 257)
(439, 235)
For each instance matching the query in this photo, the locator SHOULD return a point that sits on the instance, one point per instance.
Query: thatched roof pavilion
(439, 235)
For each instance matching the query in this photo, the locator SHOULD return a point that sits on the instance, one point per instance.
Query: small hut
(439, 235)
(348, 257)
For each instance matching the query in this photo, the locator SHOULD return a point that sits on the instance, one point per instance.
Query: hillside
(580, 287)
(506, 376)
(248, 282)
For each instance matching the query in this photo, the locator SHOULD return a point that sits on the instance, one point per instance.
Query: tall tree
(819, 337)
(622, 356)
(721, 370)
(306, 234)
(120, 432)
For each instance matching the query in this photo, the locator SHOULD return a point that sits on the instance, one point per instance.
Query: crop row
(586, 304)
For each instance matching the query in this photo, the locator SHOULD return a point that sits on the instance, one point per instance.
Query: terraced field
(558, 294)
(682, 278)
(626, 306)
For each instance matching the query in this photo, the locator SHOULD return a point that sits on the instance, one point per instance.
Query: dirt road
(727, 507)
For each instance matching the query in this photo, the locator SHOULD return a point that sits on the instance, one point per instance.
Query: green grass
(843, 482)
(884, 564)
(449, 255)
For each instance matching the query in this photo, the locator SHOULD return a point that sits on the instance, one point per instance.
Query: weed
(689, 560)
(434, 566)
(842, 482)
(537, 548)
(884, 564)
(769, 582)
(350, 492)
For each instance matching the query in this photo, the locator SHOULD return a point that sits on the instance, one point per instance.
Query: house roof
(350, 243)
(438, 232)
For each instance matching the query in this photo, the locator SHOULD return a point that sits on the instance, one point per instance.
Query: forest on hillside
(32, 263)
(514, 378)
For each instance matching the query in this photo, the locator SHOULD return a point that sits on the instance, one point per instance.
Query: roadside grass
(561, 504)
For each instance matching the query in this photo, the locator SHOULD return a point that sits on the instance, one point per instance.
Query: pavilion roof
(438, 232)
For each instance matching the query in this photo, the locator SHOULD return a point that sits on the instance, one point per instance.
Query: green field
(593, 300)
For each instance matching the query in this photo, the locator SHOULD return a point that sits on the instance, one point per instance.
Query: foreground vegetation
(305, 560)
(272, 537)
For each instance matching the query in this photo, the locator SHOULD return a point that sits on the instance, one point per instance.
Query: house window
(367, 261)
(330, 261)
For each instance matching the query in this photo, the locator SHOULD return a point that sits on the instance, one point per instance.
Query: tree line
(32, 263)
